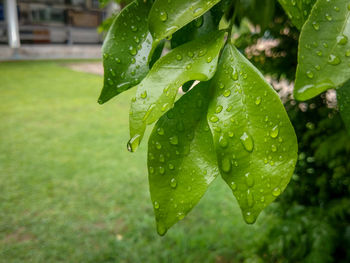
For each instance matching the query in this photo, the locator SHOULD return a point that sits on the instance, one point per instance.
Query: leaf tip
(161, 229)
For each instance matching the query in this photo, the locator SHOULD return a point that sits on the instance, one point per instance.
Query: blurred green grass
(70, 192)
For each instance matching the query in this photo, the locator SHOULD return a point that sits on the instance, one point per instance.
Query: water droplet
(163, 16)
(199, 22)
(190, 54)
(178, 57)
(309, 74)
(133, 28)
(234, 74)
(173, 183)
(223, 142)
(198, 11)
(148, 112)
(274, 132)
(112, 72)
(230, 134)
(316, 25)
(333, 60)
(273, 148)
(258, 100)
(160, 131)
(209, 59)
(156, 205)
(161, 229)
(247, 142)
(214, 118)
(226, 165)
(347, 53)
(161, 170)
(227, 93)
(164, 107)
(161, 158)
(317, 67)
(249, 218)
(180, 215)
(233, 186)
(171, 166)
(329, 17)
(319, 53)
(202, 52)
(262, 199)
(276, 192)
(151, 170)
(342, 40)
(132, 50)
(134, 143)
(250, 198)
(158, 145)
(249, 180)
(218, 109)
(174, 140)
(144, 94)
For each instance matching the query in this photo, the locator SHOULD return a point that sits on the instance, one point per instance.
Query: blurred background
(70, 191)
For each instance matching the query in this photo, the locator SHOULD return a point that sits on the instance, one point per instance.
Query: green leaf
(343, 97)
(166, 17)
(155, 95)
(324, 49)
(181, 158)
(157, 53)
(126, 50)
(255, 142)
(197, 28)
(297, 10)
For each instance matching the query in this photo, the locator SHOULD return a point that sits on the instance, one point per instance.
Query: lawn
(70, 191)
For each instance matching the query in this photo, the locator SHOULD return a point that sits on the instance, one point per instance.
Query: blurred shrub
(311, 220)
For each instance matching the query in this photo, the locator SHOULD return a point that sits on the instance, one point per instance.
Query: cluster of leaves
(232, 123)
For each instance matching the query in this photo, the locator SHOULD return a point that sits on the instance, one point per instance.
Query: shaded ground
(70, 192)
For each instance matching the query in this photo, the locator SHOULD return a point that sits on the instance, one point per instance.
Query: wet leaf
(255, 142)
(126, 50)
(181, 158)
(297, 10)
(343, 97)
(197, 28)
(166, 17)
(155, 95)
(324, 49)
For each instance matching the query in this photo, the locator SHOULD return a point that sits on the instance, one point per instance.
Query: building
(32, 24)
